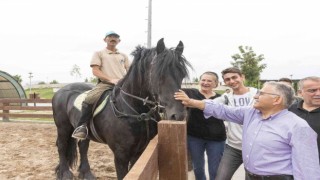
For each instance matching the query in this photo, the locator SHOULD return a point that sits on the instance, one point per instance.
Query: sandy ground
(28, 151)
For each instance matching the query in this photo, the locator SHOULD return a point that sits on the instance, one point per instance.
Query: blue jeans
(214, 150)
(230, 162)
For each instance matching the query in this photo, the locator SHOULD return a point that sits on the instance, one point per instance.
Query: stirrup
(77, 129)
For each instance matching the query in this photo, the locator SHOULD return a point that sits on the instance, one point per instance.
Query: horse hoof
(87, 176)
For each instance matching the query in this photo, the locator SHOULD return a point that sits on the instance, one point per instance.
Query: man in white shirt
(240, 96)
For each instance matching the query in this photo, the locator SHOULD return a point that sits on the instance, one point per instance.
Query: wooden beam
(147, 165)
(34, 108)
(17, 100)
(172, 147)
(26, 115)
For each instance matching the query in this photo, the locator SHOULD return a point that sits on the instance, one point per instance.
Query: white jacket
(234, 131)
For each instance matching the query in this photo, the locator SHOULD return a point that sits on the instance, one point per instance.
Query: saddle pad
(78, 103)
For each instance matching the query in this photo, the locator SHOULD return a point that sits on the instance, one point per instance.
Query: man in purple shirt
(277, 144)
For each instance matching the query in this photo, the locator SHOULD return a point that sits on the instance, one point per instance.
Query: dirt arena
(28, 151)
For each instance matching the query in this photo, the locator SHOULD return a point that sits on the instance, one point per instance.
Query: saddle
(98, 106)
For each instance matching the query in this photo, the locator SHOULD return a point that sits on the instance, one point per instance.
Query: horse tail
(70, 154)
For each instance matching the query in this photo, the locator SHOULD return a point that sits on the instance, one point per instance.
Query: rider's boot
(81, 132)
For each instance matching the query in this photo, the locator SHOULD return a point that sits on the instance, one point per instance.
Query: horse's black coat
(155, 73)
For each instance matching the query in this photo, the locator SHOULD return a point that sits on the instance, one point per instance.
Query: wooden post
(172, 144)
(34, 97)
(5, 118)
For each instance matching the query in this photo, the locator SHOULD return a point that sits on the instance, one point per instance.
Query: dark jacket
(312, 117)
(200, 127)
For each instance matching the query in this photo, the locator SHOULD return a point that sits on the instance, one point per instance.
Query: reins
(145, 101)
(145, 117)
(139, 116)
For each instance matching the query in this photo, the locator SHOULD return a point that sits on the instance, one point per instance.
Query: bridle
(142, 117)
(155, 106)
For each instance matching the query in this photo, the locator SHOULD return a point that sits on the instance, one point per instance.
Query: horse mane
(174, 64)
(144, 58)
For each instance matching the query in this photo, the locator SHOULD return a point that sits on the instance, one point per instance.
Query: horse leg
(67, 152)
(134, 159)
(121, 162)
(84, 168)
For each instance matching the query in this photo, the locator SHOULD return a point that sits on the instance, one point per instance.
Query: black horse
(129, 120)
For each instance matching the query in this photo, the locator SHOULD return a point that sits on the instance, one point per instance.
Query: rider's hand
(114, 81)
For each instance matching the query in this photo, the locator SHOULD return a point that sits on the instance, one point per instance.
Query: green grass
(219, 91)
(44, 93)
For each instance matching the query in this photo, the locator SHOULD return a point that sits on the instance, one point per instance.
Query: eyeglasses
(260, 93)
(312, 90)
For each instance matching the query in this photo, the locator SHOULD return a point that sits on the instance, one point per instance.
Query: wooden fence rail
(7, 104)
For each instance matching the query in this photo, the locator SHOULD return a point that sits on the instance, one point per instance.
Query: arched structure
(10, 88)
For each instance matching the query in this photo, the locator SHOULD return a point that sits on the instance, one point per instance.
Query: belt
(105, 82)
(252, 176)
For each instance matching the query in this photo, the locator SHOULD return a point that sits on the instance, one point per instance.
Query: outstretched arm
(188, 102)
(211, 108)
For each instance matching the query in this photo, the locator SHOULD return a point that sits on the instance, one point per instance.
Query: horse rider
(109, 66)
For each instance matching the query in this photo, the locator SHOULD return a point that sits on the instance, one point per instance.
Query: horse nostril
(173, 117)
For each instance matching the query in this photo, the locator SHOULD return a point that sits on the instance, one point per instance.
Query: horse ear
(160, 46)
(179, 48)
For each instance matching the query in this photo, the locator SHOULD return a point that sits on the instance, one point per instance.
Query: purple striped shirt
(281, 144)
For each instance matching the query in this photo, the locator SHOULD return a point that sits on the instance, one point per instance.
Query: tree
(54, 82)
(94, 80)
(18, 78)
(249, 63)
(195, 79)
(75, 71)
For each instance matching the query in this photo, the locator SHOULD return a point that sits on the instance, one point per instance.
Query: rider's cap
(111, 33)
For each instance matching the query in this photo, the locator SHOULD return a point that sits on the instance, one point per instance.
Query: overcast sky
(48, 37)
